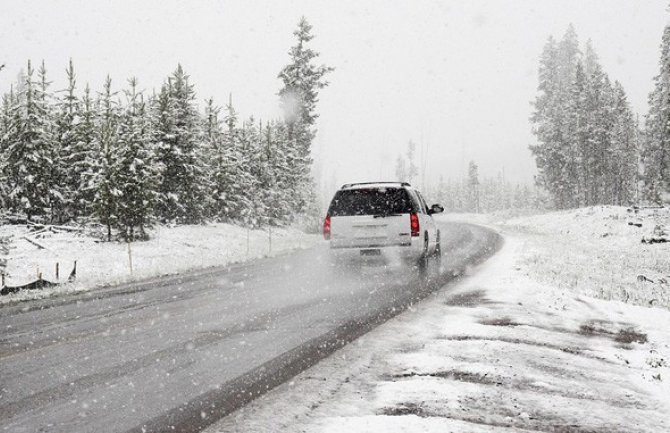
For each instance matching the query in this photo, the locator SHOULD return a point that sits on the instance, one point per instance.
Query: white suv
(386, 216)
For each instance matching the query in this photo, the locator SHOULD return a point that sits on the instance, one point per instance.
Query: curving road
(176, 354)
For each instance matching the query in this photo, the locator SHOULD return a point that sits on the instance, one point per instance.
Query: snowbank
(171, 250)
(599, 252)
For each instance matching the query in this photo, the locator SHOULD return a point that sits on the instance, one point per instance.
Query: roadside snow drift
(171, 250)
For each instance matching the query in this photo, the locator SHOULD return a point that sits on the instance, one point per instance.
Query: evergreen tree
(250, 170)
(213, 142)
(548, 118)
(401, 169)
(68, 155)
(29, 149)
(624, 168)
(276, 174)
(656, 152)
(473, 187)
(412, 170)
(82, 161)
(575, 176)
(7, 135)
(183, 194)
(281, 156)
(52, 175)
(105, 176)
(236, 181)
(137, 173)
(302, 80)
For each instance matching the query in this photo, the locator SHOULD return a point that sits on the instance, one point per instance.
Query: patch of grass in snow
(599, 252)
(499, 321)
(469, 299)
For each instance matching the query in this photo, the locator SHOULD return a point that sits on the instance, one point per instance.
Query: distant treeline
(590, 147)
(128, 158)
(488, 194)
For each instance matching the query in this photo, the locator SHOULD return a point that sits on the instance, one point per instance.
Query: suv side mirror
(436, 208)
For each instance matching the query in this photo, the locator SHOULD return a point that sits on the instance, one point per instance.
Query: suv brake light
(326, 228)
(414, 224)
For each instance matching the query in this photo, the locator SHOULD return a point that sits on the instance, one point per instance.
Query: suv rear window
(374, 201)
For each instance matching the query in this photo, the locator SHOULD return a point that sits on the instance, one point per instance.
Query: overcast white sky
(457, 76)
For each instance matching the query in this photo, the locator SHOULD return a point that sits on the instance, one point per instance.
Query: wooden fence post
(248, 241)
(130, 259)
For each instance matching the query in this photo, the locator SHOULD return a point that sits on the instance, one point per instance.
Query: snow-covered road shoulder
(171, 250)
(499, 352)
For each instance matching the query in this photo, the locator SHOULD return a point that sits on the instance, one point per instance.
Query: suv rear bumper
(407, 250)
(367, 246)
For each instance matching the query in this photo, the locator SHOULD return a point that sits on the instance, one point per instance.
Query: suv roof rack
(348, 185)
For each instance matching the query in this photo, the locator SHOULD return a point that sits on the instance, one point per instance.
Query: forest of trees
(588, 137)
(655, 153)
(591, 149)
(127, 158)
(472, 193)
(478, 194)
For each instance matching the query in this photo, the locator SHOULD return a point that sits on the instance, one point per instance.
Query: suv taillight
(414, 224)
(326, 228)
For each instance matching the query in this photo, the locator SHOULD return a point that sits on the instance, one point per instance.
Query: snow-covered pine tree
(212, 134)
(275, 175)
(624, 149)
(575, 177)
(473, 187)
(302, 80)
(183, 192)
(548, 117)
(401, 169)
(282, 156)
(656, 151)
(259, 165)
(163, 128)
(235, 180)
(29, 149)
(568, 57)
(137, 172)
(68, 156)
(7, 132)
(598, 160)
(83, 159)
(52, 176)
(250, 169)
(412, 170)
(104, 180)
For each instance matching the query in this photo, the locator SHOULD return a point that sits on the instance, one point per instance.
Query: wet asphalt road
(176, 354)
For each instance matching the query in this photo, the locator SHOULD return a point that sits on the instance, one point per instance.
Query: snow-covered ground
(514, 347)
(599, 252)
(171, 250)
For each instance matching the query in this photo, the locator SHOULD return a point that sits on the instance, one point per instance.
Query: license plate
(371, 252)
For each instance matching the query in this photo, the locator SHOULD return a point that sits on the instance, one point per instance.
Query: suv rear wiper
(384, 215)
